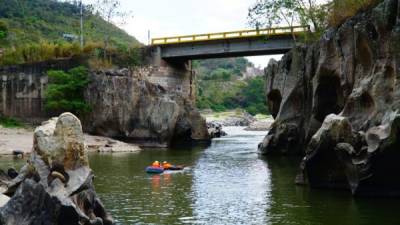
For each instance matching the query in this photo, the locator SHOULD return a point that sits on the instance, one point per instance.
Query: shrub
(31, 53)
(65, 91)
(9, 122)
(43, 51)
(344, 9)
(218, 108)
(3, 30)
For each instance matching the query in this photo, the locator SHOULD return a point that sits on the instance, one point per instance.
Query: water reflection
(298, 205)
(226, 183)
(138, 198)
(231, 185)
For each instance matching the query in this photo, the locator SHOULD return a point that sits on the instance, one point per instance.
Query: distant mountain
(32, 21)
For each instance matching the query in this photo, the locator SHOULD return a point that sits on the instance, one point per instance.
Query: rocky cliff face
(151, 105)
(125, 105)
(55, 186)
(336, 102)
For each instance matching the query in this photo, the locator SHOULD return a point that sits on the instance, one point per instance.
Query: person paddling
(156, 164)
(166, 165)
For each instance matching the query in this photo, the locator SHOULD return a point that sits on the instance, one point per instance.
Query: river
(225, 183)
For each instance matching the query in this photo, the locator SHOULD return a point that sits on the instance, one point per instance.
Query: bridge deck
(228, 44)
(242, 34)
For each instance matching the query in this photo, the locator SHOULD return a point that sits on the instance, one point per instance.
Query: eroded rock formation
(336, 102)
(128, 106)
(55, 186)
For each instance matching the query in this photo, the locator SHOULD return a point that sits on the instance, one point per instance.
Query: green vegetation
(65, 92)
(221, 86)
(270, 13)
(36, 21)
(117, 55)
(39, 52)
(9, 122)
(3, 30)
(39, 30)
(315, 13)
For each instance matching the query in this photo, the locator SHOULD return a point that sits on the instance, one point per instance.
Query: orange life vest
(167, 165)
(156, 164)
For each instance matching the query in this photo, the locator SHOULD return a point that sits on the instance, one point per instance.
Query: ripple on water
(231, 183)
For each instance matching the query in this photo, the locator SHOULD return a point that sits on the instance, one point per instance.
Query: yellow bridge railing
(231, 35)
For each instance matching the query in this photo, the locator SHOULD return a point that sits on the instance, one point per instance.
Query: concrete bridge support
(176, 76)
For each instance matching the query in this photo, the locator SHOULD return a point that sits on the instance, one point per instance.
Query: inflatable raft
(154, 169)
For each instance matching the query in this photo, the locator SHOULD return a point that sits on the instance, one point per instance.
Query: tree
(291, 12)
(66, 91)
(110, 11)
(3, 30)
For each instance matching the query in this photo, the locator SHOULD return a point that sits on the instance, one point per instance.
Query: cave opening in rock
(328, 97)
(274, 102)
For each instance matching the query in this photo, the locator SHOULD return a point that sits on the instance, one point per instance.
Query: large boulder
(55, 186)
(126, 106)
(350, 72)
(365, 163)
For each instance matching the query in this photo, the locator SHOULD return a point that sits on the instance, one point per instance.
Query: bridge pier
(176, 76)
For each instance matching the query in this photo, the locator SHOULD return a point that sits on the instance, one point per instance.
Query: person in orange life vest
(166, 165)
(156, 164)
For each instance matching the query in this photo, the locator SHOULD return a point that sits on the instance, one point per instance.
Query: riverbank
(21, 139)
(240, 118)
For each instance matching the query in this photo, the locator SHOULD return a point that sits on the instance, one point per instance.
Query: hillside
(33, 21)
(224, 84)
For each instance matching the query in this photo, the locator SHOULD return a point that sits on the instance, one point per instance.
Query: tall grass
(38, 52)
(122, 56)
(344, 9)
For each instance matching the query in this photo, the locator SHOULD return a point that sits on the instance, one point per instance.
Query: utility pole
(81, 25)
(148, 37)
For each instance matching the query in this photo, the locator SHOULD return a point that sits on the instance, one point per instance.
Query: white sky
(181, 17)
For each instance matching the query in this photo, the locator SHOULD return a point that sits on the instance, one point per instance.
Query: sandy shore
(11, 139)
(240, 118)
(21, 139)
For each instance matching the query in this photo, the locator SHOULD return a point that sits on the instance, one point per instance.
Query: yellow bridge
(228, 44)
(278, 31)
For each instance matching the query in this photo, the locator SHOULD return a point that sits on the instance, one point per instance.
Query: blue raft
(153, 169)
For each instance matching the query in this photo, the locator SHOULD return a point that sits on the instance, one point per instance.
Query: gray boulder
(55, 186)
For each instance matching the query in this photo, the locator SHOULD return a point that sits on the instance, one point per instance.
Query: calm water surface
(225, 183)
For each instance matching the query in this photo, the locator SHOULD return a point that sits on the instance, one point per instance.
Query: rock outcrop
(215, 130)
(55, 186)
(127, 106)
(108, 145)
(352, 72)
(260, 125)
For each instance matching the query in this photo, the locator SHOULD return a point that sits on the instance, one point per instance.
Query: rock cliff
(127, 106)
(55, 186)
(336, 102)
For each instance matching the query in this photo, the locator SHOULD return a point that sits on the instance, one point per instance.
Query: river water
(225, 183)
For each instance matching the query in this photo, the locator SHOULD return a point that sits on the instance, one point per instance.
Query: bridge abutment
(176, 76)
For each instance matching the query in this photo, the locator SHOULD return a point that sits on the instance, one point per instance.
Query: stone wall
(22, 88)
